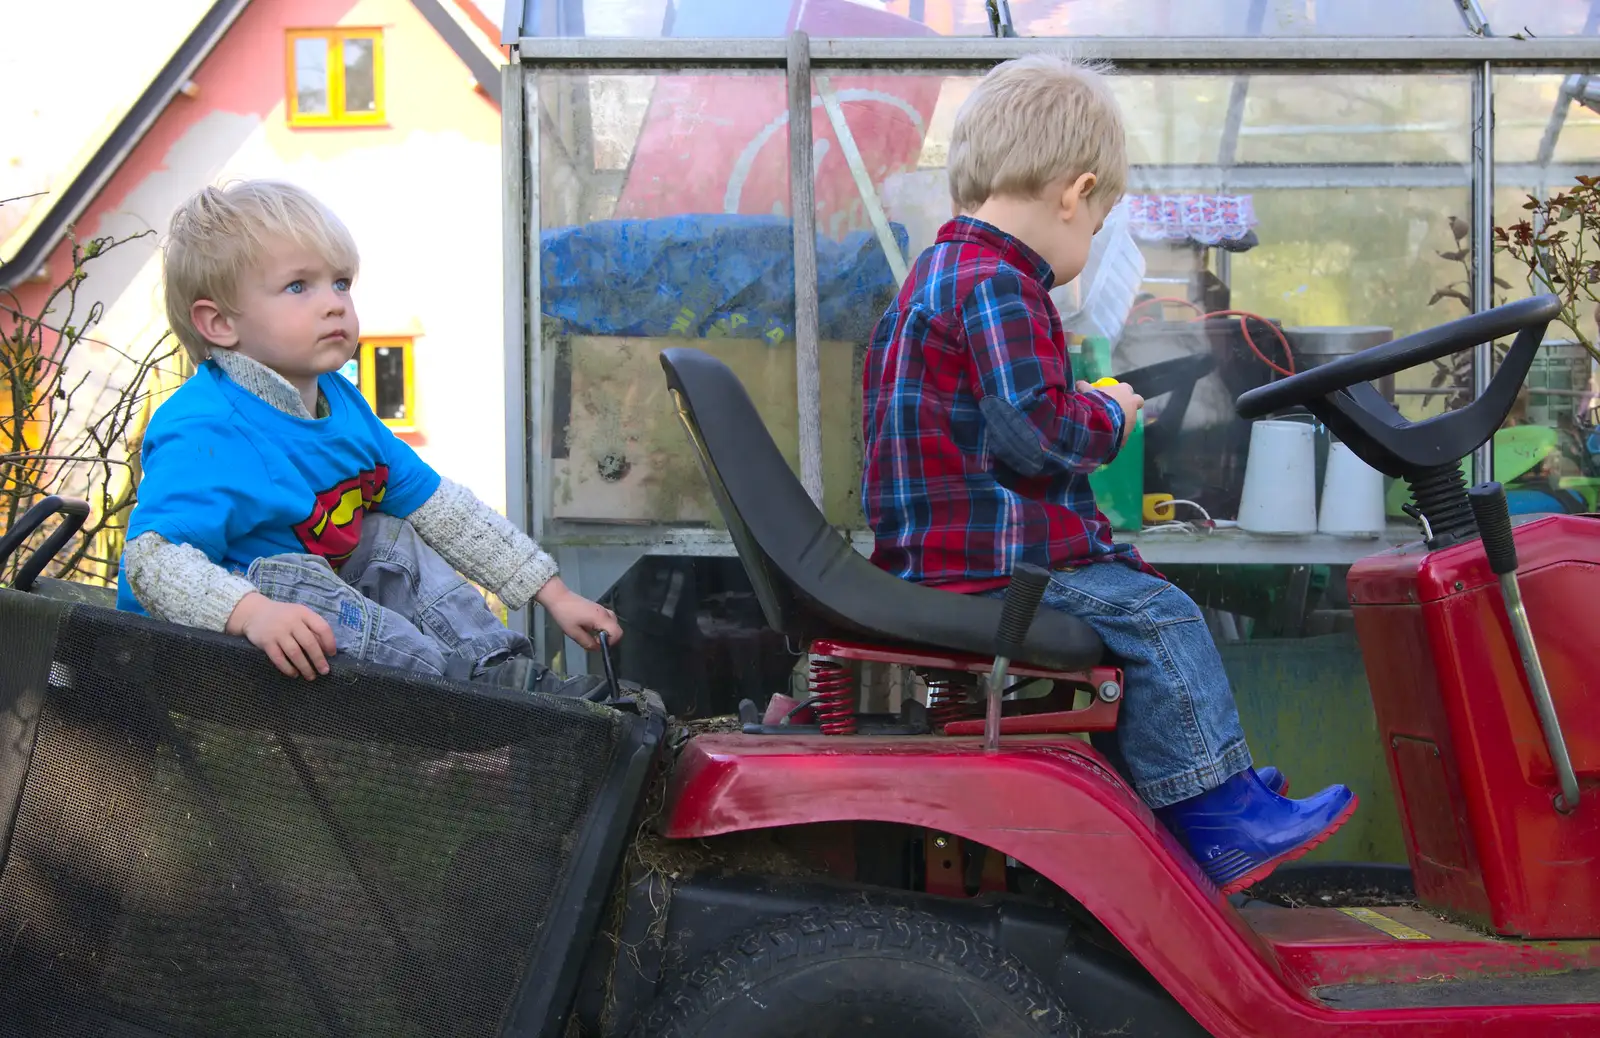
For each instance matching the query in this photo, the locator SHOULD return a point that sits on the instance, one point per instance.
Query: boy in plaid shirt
(979, 443)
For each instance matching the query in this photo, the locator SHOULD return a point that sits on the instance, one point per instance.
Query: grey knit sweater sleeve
(482, 544)
(177, 583)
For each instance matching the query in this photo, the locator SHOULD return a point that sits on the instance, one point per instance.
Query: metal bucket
(1317, 345)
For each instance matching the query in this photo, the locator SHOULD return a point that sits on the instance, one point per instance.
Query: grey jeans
(395, 601)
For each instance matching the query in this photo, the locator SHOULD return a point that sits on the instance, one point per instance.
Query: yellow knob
(1102, 383)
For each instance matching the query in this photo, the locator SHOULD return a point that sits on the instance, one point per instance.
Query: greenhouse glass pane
(1545, 136)
(664, 210)
(1356, 119)
(729, 18)
(1236, 18)
(757, 18)
(1345, 208)
(1547, 118)
(1543, 18)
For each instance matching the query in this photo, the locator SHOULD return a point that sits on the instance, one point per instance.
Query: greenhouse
(1310, 178)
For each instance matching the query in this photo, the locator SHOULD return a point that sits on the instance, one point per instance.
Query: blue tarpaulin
(701, 276)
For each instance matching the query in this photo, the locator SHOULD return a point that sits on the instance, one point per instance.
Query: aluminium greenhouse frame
(595, 555)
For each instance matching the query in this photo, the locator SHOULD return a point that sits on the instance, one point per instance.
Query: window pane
(768, 18)
(1545, 18)
(1333, 214)
(1547, 133)
(664, 205)
(865, 18)
(1545, 119)
(360, 84)
(389, 381)
(1381, 120)
(1234, 18)
(311, 76)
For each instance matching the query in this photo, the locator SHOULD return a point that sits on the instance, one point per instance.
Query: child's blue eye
(295, 286)
(341, 284)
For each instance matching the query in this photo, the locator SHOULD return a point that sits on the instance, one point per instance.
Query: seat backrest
(810, 580)
(770, 517)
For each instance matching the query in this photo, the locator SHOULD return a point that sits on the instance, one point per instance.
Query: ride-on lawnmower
(967, 865)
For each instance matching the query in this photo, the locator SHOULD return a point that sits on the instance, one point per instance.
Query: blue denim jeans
(395, 602)
(1178, 733)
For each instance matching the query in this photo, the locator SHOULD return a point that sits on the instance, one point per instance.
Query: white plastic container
(1097, 301)
(1352, 496)
(1280, 480)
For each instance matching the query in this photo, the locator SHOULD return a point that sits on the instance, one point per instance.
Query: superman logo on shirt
(333, 529)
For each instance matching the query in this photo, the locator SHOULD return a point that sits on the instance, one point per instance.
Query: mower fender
(1053, 805)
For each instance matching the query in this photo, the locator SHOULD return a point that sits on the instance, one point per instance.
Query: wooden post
(803, 210)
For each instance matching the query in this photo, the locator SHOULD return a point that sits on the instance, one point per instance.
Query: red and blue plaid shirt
(978, 447)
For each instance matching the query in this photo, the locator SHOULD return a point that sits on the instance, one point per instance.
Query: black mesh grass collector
(194, 845)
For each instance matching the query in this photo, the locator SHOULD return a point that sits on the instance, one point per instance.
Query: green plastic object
(1517, 450)
(1587, 486)
(1118, 487)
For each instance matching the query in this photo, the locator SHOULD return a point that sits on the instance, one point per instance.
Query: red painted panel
(1420, 780)
(1055, 805)
(1444, 670)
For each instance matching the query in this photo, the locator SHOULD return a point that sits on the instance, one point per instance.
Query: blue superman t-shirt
(239, 479)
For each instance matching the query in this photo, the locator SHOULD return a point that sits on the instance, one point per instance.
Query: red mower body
(1467, 754)
(1054, 804)
(1474, 780)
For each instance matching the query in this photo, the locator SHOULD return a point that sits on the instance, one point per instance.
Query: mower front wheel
(860, 972)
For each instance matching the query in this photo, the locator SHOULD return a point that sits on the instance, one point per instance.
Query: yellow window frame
(32, 432)
(336, 114)
(369, 379)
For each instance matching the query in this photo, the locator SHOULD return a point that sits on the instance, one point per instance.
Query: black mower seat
(811, 583)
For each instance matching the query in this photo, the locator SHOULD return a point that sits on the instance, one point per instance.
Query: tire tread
(767, 949)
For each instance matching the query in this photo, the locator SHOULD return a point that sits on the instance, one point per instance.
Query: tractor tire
(858, 972)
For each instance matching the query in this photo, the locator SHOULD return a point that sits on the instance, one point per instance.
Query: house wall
(421, 195)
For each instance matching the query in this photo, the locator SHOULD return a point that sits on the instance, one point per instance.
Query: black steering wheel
(1340, 395)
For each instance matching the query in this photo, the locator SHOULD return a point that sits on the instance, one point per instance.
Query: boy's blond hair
(218, 234)
(1033, 120)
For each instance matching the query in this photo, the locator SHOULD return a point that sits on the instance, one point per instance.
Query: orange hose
(1245, 317)
(1174, 300)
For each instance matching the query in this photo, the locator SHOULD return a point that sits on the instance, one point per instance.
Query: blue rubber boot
(1273, 779)
(1241, 831)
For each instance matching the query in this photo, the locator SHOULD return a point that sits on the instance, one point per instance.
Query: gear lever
(1494, 526)
(1016, 616)
(605, 660)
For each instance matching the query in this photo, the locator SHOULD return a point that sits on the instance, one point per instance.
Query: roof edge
(119, 144)
(485, 71)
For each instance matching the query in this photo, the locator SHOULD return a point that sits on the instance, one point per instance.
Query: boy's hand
(577, 617)
(1130, 402)
(297, 640)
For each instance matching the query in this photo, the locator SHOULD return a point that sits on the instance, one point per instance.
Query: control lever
(605, 661)
(1494, 526)
(1016, 616)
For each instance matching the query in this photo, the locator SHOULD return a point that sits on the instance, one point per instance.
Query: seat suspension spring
(947, 701)
(833, 696)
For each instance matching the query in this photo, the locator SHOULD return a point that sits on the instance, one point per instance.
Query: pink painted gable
(427, 88)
